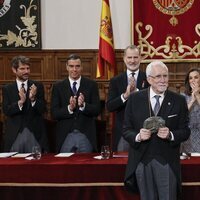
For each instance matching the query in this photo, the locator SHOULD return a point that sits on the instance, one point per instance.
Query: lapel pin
(169, 103)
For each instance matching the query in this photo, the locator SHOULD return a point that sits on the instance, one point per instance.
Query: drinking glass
(36, 152)
(105, 152)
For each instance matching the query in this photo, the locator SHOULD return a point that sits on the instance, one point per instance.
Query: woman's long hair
(188, 89)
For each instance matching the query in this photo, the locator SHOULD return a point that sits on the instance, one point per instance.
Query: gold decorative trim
(28, 36)
(169, 50)
(62, 184)
(101, 184)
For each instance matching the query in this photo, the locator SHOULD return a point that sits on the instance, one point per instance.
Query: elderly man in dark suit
(24, 106)
(120, 89)
(75, 104)
(155, 124)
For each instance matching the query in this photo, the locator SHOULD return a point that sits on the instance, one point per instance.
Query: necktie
(22, 86)
(133, 75)
(74, 87)
(157, 105)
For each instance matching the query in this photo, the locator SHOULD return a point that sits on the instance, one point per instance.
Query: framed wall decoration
(166, 29)
(20, 25)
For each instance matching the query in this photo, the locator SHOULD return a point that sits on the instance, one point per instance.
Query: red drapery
(78, 177)
(167, 29)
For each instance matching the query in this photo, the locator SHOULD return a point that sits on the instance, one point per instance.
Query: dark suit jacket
(118, 86)
(84, 121)
(30, 117)
(175, 113)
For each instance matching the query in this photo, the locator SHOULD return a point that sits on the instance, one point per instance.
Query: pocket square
(170, 116)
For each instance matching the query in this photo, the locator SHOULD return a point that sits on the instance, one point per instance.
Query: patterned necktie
(23, 87)
(133, 75)
(157, 105)
(74, 88)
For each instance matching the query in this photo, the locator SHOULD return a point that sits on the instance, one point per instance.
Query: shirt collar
(78, 81)
(129, 73)
(19, 84)
(152, 94)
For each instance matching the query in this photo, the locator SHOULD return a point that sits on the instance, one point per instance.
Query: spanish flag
(106, 55)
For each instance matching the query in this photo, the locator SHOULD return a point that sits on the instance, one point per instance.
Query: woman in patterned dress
(192, 95)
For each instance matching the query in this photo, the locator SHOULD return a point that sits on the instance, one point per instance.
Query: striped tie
(157, 105)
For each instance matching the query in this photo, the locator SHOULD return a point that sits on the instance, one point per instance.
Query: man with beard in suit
(120, 89)
(24, 106)
(155, 124)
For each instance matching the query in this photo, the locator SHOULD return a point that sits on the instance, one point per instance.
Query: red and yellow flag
(106, 55)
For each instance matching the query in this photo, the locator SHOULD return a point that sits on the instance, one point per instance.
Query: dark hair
(20, 59)
(188, 89)
(73, 57)
(132, 47)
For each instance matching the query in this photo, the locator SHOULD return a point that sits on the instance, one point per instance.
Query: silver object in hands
(154, 123)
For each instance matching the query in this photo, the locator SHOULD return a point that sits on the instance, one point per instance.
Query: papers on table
(195, 154)
(64, 155)
(21, 155)
(98, 157)
(7, 154)
(113, 156)
(120, 155)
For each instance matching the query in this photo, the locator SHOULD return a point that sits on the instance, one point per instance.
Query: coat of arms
(173, 8)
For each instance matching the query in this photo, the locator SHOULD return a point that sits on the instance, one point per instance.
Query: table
(78, 177)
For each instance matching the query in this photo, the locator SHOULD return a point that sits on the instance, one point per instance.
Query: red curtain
(167, 29)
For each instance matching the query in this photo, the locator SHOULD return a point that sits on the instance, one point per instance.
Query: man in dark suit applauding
(24, 106)
(155, 124)
(75, 104)
(120, 89)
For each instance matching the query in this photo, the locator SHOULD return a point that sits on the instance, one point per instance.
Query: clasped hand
(130, 87)
(145, 134)
(74, 101)
(32, 94)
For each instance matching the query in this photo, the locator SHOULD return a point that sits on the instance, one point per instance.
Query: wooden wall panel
(49, 67)
(2, 68)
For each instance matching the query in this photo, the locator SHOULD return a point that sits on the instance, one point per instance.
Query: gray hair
(154, 63)
(132, 47)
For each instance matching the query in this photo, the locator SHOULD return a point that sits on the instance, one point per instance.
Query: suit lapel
(139, 80)
(66, 89)
(83, 85)
(14, 92)
(124, 82)
(166, 105)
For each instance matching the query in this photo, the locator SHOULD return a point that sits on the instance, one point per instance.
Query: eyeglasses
(160, 77)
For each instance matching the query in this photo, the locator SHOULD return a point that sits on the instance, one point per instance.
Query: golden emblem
(173, 8)
(106, 27)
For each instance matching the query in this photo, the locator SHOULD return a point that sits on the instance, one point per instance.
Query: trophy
(154, 123)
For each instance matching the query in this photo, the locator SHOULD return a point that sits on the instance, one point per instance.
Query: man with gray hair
(120, 88)
(155, 124)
